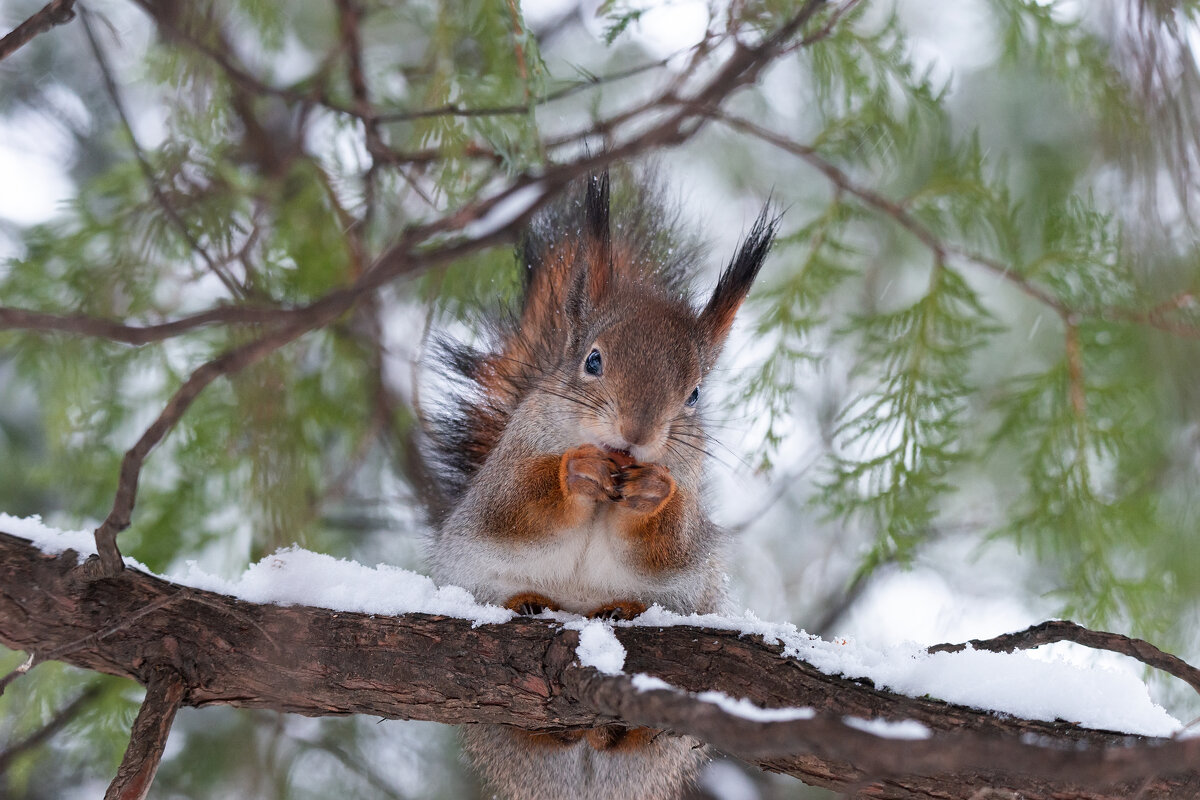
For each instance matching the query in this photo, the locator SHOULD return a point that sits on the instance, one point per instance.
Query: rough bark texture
(148, 737)
(319, 662)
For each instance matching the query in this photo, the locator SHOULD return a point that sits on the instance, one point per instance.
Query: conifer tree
(976, 335)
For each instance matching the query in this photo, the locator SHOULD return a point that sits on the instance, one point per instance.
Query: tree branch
(1154, 318)
(164, 693)
(228, 363)
(525, 673)
(81, 324)
(156, 191)
(56, 12)
(1061, 630)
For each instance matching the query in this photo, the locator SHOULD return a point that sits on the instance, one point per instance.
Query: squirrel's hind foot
(619, 738)
(618, 610)
(530, 604)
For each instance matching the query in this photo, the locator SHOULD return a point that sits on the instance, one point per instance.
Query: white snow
(740, 707)
(648, 683)
(1016, 683)
(48, 539)
(298, 577)
(1013, 683)
(598, 646)
(888, 729)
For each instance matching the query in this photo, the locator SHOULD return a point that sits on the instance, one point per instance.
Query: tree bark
(525, 673)
(148, 738)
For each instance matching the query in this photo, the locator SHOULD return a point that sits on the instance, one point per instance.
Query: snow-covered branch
(753, 691)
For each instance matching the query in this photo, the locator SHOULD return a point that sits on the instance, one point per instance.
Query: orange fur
(618, 738)
(538, 504)
(656, 536)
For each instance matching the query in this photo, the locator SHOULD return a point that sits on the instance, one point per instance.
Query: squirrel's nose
(637, 432)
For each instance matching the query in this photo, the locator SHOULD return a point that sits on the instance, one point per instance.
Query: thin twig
(1154, 318)
(350, 19)
(228, 363)
(357, 766)
(825, 30)
(81, 324)
(156, 190)
(1057, 630)
(455, 110)
(20, 670)
(522, 68)
(56, 12)
(1075, 378)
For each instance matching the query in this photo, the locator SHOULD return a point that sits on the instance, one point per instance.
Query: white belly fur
(580, 569)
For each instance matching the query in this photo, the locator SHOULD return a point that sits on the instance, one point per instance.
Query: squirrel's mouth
(622, 457)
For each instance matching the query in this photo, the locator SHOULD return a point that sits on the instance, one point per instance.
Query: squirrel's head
(633, 369)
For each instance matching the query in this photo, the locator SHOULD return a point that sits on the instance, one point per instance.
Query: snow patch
(1014, 683)
(740, 707)
(598, 646)
(888, 729)
(736, 706)
(47, 539)
(298, 577)
(648, 683)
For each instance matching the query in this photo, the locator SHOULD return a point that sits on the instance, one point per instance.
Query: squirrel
(573, 464)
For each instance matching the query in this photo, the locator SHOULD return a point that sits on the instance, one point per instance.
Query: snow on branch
(747, 694)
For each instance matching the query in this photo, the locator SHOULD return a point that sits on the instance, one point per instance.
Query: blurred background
(963, 397)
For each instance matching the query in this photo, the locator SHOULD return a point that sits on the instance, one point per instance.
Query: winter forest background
(963, 397)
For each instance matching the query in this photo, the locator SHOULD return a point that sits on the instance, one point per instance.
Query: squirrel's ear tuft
(599, 234)
(717, 317)
(596, 206)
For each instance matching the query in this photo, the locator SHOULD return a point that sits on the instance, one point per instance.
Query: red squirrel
(573, 466)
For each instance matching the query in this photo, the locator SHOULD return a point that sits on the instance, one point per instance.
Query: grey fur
(577, 772)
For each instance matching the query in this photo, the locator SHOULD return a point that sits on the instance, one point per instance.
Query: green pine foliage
(1008, 345)
(900, 439)
(792, 314)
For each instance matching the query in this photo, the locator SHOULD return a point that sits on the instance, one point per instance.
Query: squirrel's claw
(530, 604)
(645, 488)
(618, 609)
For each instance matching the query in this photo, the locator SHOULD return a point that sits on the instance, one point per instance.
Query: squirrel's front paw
(589, 471)
(645, 488)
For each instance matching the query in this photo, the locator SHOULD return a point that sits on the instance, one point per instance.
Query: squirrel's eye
(592, 364)
(694, 396)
